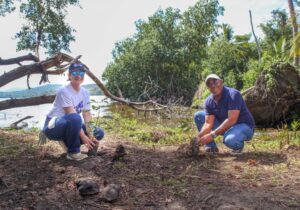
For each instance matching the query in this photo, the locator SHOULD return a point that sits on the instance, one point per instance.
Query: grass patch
(182, 130)
(9, 147)
(145, 133)
(17, 142)
(271, 140)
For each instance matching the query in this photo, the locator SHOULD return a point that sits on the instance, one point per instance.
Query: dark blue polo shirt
(231, 99)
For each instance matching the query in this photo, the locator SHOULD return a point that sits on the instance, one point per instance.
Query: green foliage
(272, 72)
(164, 58)
(250, 77)
(6, 6)
(275, 29)
(200, 95)
(229, 59)
(227, 32)
(45, 24)
(290, 133)
(295, 49)
(278, 53)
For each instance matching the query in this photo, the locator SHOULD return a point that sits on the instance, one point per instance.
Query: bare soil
(40, 177)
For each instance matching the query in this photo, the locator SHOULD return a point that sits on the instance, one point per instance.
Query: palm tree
(227, 31)
(296, 43)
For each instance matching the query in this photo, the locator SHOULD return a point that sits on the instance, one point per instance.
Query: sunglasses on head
(212, 83)
(77, 73)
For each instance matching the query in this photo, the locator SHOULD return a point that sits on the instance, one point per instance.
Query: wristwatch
(213, 134)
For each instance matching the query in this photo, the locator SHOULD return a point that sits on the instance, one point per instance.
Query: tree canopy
(45, 24)
(164, 58)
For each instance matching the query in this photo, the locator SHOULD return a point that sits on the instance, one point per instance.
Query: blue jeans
(233, 138)
(67, 128)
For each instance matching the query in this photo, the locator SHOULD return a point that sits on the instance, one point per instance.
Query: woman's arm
(86, 139)
(87, 117)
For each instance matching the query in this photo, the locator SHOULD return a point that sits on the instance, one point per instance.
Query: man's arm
(208, 125)
(233, 116)
(230, 121)
(234, 107)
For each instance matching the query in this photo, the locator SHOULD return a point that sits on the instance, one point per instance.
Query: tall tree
(45, 25)
(227, 31)
(293, 17)
(164, 58)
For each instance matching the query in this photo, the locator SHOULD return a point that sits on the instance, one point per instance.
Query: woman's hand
(89, 142)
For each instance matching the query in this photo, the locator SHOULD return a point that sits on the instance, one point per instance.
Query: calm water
(39, 112)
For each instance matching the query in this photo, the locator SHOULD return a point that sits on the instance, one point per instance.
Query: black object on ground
(87, 186)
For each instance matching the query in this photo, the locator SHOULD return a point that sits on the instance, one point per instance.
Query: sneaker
(76, 156)
(211, 149)
(237, 151)
(63, 146)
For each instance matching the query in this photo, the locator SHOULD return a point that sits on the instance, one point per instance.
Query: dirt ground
(40, 177)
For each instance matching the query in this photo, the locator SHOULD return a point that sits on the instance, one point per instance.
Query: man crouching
(225, 113)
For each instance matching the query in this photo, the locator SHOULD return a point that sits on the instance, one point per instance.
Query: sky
(100, 24)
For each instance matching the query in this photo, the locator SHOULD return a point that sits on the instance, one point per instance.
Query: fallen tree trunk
(13, 103)
(275, 96)
(56, 65)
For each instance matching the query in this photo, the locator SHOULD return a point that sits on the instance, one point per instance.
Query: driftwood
(16, 125)
(57, 65)
(275, 95)
(13, 103)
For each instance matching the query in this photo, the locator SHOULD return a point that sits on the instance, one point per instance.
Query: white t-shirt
(66, 97)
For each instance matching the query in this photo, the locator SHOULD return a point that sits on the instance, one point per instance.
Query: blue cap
(76, 67)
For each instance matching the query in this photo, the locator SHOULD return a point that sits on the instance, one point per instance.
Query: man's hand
(89, 142)
(200, 135)
(207, 127)
(205, 139)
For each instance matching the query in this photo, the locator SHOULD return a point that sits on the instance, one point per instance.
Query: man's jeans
(233, 138)
(67, 128)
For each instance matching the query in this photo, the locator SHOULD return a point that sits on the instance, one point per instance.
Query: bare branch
(37, 68)
(18, 60)
(134, 105)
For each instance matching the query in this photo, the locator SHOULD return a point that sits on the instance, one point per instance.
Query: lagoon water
(39, 112)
